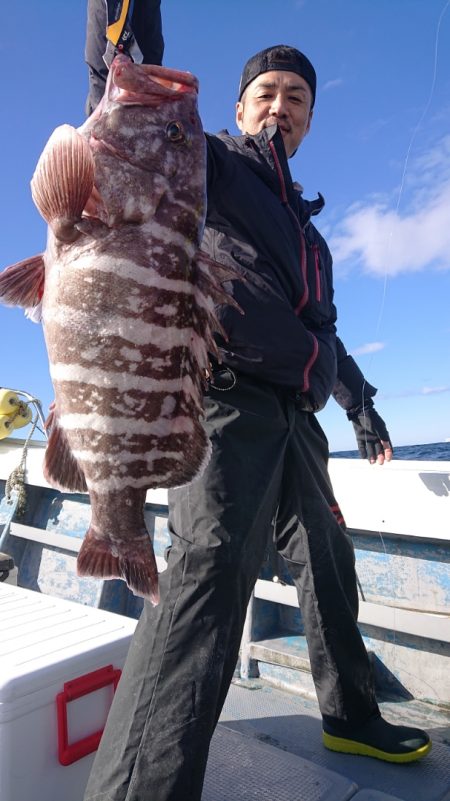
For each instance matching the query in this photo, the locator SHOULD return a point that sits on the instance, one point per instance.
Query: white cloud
(369, 347)
(414, 393)
(433, 390)
(332, 84)
(385, 240)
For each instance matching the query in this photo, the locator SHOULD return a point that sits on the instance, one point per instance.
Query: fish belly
(124, 348)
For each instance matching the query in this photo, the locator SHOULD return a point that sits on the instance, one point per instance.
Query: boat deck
(267, 747)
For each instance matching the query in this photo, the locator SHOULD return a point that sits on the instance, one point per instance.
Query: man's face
(277, 97)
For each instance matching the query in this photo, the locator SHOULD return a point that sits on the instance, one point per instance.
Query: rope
(16, 480)
(37, 405)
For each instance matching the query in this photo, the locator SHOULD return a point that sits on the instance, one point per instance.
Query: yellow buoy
(23, 416)
(9, 401)
(6, 425)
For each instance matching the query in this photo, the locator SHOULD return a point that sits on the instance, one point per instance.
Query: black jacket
(260, 225)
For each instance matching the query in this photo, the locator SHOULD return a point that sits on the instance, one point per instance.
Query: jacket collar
(270, 143)
(264, 149)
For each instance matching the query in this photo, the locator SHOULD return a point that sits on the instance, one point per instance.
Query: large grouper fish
(127, 303)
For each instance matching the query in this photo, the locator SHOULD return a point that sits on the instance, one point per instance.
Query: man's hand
(372, 435)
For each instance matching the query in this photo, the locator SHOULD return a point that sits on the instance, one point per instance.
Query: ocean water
(434, 451)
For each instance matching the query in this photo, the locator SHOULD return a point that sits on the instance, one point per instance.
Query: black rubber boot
(377, 738)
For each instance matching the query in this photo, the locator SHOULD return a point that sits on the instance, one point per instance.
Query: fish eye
(175, 132)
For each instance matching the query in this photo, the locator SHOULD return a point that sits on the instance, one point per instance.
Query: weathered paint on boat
(398, 516)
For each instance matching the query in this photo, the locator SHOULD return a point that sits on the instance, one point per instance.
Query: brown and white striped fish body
(128, 308)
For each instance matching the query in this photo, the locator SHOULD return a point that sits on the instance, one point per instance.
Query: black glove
(370, 430)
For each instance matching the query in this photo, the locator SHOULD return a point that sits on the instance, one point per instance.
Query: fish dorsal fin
(63, 181)
(22, 284)
(60, 468)
(216, 271)
(209, 277)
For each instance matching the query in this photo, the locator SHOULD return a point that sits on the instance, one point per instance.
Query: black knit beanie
(279, 57)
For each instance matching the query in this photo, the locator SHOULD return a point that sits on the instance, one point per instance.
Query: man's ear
(239, 114)
(311, 113)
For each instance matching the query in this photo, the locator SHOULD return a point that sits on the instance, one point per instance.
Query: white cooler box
(59, 664)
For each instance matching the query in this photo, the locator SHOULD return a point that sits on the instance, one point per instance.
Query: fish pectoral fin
(60, 468)
(94, 212)
(130, 560)
(63, 181)
(22, 284)
(90, 226)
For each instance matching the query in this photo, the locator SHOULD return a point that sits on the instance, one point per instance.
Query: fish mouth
(147, 84)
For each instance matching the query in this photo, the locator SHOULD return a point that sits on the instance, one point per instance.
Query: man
(280, 363)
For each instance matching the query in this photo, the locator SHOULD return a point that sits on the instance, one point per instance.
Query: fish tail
(133, 562)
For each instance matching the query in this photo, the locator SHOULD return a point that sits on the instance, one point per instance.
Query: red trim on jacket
(315, 248)
(284, 199)
(303, 267)
(310, 363)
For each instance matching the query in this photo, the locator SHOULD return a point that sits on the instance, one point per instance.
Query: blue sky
(378, 150)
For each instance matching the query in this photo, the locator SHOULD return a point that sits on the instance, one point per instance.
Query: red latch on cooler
(74, 689)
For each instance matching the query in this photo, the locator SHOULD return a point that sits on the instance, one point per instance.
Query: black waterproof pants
(269, 463)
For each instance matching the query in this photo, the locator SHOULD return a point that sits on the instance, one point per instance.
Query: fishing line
(385, 281)
(400, 192)
(404, 171)
(406, 161)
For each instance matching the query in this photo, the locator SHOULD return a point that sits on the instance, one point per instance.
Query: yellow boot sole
(345, 746)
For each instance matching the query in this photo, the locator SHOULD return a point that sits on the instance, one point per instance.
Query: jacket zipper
(303, 264)
(317, 271)
(303, 268)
